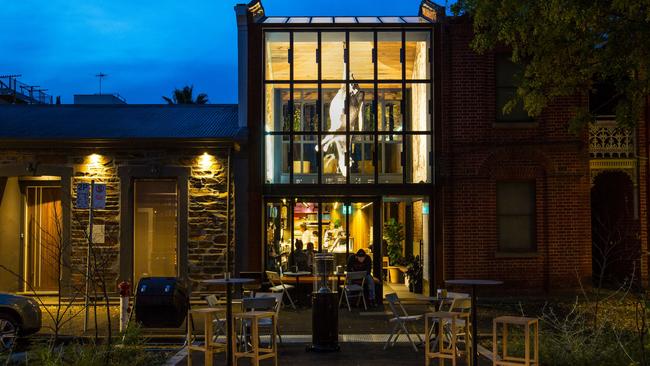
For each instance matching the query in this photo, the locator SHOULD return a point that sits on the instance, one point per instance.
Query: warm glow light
(94, 159)
(205, 161)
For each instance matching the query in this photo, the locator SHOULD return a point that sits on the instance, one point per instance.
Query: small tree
(394, 235)
(185, 96)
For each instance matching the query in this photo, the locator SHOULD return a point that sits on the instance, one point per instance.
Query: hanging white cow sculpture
(337, 118)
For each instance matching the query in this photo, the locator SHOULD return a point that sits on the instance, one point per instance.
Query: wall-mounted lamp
(205, 161)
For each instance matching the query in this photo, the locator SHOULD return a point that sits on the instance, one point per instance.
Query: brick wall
(478, 152)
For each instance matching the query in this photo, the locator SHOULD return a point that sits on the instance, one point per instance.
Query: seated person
(298, 258)
(310, 255)
(362, 262)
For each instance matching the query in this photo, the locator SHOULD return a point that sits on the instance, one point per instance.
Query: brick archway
(615, 244)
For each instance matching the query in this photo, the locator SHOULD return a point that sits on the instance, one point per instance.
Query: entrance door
(43, 233)
(338, 226)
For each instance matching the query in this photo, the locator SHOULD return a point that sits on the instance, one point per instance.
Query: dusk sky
(146, 47)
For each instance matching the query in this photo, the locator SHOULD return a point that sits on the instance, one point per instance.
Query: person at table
(298, 258)
(361, 262)
(310, 255)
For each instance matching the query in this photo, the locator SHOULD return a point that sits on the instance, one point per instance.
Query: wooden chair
(448, 326)
(278, 305)
(503, 358)
(219, 320)
(256, 352)
(209, 347)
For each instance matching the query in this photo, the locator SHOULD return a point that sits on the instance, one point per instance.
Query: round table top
(471, 282)
(232, 280)
(296, 274)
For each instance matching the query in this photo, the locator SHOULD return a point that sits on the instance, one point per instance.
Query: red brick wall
(477, 153)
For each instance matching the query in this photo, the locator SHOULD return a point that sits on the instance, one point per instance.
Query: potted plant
(394, 234)
(414, 274)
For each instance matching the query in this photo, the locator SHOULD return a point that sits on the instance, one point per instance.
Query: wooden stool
(209, 347)
(454, 319)
(256, 353)
(503, 358)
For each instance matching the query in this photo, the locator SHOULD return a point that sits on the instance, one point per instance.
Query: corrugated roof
(51, 122)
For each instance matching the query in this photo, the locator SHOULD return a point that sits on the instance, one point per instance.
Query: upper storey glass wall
(347, 107)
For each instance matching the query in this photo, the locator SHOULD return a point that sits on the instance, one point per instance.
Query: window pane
(277, 115)
(361, 109)
(334, 155)
(332, 52)
(515, 198)
(362, 170)
(276, 151)
(389, 46)
(516, 215)
(304, 56)
(305, 112)
(305, 235)
(516, 233)
(417, 58)
(334, 119)
(277, 56)
(418, 163)
(335, 237)
(508, 74)
(155, 228)
(517, 114)
(305, 164)
(278, 237)
(361, 65)
(361, 223)
(417, 106)
(390, 159)
(389, 101)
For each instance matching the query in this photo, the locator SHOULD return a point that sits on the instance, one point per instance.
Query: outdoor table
(473, 284)
(228, 282)
(438, 300)
(297, 276)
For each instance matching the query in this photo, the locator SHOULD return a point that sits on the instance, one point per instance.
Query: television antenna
(100, 76)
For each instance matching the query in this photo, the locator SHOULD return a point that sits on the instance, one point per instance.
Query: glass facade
(337, 226)
(347, 107)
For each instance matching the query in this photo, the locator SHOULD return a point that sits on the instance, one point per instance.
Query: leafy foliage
(567, 47)
(185, 96)
(394, 235)
(129, 352)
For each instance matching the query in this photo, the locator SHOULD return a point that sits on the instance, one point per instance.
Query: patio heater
(325, 310)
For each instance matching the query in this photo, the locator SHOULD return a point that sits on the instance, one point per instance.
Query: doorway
(43, 232)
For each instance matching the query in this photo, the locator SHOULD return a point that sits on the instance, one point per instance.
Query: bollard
(125, 292)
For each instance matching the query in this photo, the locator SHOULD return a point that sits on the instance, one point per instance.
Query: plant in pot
(394, 234)
(414, 274)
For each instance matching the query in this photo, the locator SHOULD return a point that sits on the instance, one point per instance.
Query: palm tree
(184, 96)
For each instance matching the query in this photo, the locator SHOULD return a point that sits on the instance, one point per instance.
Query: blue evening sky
(146, 47)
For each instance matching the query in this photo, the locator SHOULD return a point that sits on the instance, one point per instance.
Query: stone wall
(207, 209)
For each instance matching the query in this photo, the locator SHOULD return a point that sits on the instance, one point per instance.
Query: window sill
(516, 255)
(516, 125)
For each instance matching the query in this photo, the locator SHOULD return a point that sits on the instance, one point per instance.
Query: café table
(229, 282)
(473, 284)
(297, 275)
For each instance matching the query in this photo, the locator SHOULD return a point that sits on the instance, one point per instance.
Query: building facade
(165, 170)
(382, 134)
(358, 123)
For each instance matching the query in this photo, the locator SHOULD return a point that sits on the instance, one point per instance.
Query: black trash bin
(161, 302)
